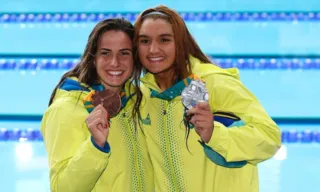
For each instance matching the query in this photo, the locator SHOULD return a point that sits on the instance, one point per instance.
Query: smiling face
(114, 60)
(156, 45)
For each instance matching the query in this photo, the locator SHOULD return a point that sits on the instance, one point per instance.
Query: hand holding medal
(195, 98)
(110, 100)
(107, 105)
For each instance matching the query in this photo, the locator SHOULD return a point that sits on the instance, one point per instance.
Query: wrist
(101, 144)
(206, 139)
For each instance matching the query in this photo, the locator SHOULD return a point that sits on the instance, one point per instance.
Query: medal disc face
(110, 100)
(194, 93)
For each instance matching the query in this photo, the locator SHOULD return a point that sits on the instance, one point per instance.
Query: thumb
(203, 105)
(106, 132)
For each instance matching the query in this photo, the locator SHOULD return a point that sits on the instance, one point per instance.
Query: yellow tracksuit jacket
(243, 135)
(77, 164)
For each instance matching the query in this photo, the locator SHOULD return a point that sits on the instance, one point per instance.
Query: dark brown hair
(86, 72)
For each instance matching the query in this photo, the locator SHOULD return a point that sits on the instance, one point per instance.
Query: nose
(154, 47)
(114, 62)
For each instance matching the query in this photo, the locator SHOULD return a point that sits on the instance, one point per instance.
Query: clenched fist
(202, 119)
(98, 124)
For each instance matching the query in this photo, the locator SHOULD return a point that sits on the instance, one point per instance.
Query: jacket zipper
(168, 144)
(135, 152)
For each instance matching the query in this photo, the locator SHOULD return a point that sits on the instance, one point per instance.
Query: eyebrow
(125, 49)
(162, 35)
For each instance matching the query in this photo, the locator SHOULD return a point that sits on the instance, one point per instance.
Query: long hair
(85, 70)
(184, 42)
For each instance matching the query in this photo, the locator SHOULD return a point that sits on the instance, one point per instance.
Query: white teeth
(156, 58)
(115, 73)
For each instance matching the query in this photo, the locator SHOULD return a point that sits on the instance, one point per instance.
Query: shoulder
(67, 106)
(221, 78)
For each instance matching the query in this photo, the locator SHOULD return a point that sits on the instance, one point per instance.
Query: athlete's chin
(159, 70)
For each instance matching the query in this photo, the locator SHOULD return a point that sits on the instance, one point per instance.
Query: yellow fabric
(178, 169)
(77, 165)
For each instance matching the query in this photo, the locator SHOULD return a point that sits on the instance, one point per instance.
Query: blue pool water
(293, 169)
(181, 5)
(282, 37)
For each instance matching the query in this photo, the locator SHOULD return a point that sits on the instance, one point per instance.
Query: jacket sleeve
(258, 139)
(75, 162)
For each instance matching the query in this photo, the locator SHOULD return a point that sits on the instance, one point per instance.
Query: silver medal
(194, 93)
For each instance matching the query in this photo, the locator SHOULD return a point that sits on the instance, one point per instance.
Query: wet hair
(85, 70)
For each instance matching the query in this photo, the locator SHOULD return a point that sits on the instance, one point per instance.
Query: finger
(106, 132)
(198, 130)
(92, 124)
(100, 127)
(107, 125)
(104, 120)
(96, 122)
(192, 111)
(204, 118)
(199, 118)
(99, 110)
(203, 106)
(93, 117)
(96, 112)
(193, 120)
(200, 125)
(203, 112)
(199, 110)
(104, 111)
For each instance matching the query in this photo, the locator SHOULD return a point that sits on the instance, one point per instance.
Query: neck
(165, 80)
